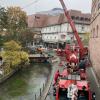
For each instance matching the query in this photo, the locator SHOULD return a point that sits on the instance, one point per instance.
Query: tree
(12, 46)
(26, 37)
(3, 19)
(3, 24)
(17, 22)
(14, 55)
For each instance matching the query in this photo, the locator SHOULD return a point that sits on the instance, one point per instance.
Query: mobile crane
(68, 80)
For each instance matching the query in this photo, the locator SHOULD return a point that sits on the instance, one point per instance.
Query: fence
(38, 95)
(43, 91)
(49, 81)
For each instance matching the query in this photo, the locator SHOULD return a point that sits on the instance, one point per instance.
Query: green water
(25, 83)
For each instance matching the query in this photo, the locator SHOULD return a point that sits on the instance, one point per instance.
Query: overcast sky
(33, 6)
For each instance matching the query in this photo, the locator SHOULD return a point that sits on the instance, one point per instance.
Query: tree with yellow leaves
(14, 55)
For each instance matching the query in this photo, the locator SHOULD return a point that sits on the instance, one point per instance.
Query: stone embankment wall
(5, 77)
(94, 47)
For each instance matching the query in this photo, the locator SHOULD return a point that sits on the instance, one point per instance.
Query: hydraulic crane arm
(72, 25)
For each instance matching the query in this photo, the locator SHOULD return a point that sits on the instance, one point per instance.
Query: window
(82, 28)
(86, 19)
(73, 17)
(77, 18)
(54, 28)
(50, 28)
(99, 6)
(97, 31)
(93, 32)
(89, 19)
(81, 18)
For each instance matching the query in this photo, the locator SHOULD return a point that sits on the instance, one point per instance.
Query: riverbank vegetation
(13, 56)
(14, 36)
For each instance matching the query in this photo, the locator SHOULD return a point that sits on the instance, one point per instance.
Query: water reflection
(25, 83)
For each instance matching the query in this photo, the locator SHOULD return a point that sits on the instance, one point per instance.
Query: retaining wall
(5, 77)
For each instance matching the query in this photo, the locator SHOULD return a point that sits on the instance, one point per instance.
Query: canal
(25, 83)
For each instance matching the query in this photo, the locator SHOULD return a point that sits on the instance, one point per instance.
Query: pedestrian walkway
(49, 84)
(50, 91)
(95, 87)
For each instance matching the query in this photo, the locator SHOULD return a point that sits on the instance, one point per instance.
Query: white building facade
(62, 33)
(56, 29)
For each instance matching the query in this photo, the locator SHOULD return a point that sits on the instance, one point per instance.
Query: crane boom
(72, 25)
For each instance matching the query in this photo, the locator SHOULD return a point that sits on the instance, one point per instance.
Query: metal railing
(38, 95)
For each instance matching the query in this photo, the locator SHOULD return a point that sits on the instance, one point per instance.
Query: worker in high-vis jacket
(72, 92)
